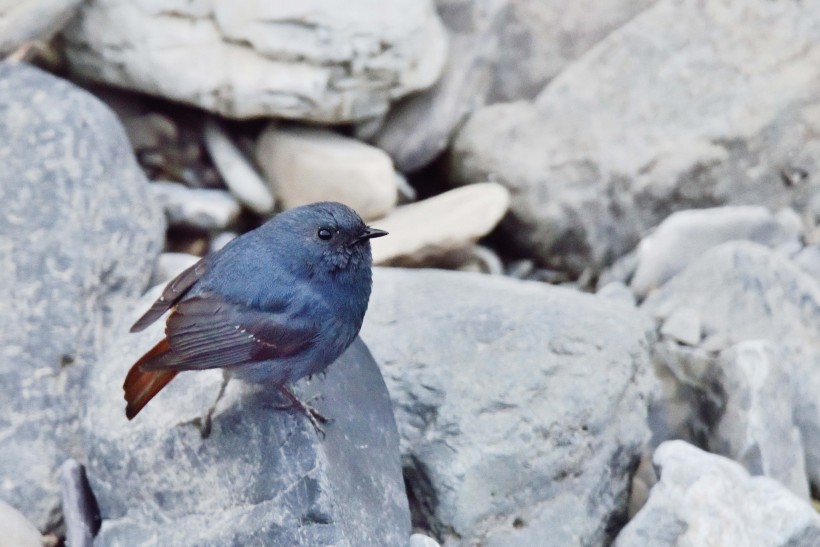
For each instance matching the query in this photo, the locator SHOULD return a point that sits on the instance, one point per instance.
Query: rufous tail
(141, 385)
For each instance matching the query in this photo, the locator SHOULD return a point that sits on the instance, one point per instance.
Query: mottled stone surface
(78, 235)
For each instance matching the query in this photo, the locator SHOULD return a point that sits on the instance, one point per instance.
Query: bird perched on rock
(274, 305)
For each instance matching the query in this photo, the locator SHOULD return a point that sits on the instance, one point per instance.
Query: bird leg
(313, 415)
(205, 429)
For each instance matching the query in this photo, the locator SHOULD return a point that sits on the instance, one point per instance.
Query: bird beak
(370, 233)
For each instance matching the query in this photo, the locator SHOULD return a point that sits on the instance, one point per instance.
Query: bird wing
(207, 331)
(173, 292)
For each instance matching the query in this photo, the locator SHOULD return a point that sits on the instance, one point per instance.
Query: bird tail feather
(142, 385)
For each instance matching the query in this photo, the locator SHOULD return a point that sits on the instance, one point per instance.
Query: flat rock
(306, 165)
(22, 22)
(80, 235)
(685, 235)
(432, 231)
(743, 291)
(198, 208)
(262, 477)
(674, 110)
(312, 60)
(704, 499)
(521, 406)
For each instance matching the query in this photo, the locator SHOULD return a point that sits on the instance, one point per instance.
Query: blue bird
(276, 304)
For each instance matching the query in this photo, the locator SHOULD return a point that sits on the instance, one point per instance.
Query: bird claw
(316, 419)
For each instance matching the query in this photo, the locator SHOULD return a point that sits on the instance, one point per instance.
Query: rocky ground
(595, 320)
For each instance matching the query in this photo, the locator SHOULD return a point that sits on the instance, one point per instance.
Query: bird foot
(316, 419)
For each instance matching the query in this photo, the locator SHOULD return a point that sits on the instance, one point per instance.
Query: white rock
(195, 207)
(420, 540)
(425, 232)
(683, 325)
(169, 265)
(16, 530)
(312, 59)
(306, 165)
(238, 173)
(23, 21)
(704, 499)
(686, 235)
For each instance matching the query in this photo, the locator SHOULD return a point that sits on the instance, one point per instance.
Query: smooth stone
(521, 406)
(150, 131)
(683, 326)
(420, 540)
(22, 22)
(704, 499)
(428, 232)
(16, 530)
(169, 265)
(331, 62)
(686, 235)
(239, 174)
(198, 208)
(79, 234)
(305, 165)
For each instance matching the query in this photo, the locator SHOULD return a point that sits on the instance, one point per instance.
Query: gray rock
(685, 235)
(239, 174)
(420, 127)
(81, 515)
(704, 499)
(809, 259)
(674, 110)
(521, 406)
(755, 426)
(540, 38)
(433, 231)
(197, 208)
(262, 477)
(305, 165)
(312, 60)
(79, 235)
(16, 530)
(500, 50)
(22, 22)
(743, 291)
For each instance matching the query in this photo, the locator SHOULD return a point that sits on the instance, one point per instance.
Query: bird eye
(325, 234)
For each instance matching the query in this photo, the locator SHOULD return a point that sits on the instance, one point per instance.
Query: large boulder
(312, 60)
(521, 406)
(78, 235)
(690, 104)
(258, 475)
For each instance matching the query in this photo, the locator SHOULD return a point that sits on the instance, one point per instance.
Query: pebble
(429, 231)
(169, 265)
(306, 165)
(239, 174)
(16, 530)
(683, 325)
(198, 208)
